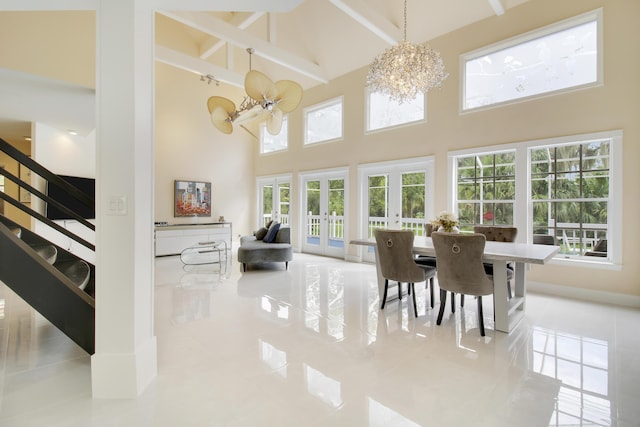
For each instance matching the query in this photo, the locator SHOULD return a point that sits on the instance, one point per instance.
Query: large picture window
(565, 191)
(383, 112)
(486, 189)
(570, 192)
(566, 55)
(323, 122)
(270, 143)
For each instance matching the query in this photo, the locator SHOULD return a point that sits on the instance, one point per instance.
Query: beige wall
(612, 106)
(188, 147)
(56, 45)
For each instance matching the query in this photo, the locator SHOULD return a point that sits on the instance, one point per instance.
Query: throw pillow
(272, 233)
(260, 233)
(269, 224)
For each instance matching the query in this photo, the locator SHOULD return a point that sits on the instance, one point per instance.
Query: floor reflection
(582, 364)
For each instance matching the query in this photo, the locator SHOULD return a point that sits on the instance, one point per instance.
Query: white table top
(493, 251)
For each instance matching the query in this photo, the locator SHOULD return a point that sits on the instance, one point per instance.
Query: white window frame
(529, 36)
(308, 110)
(263, 131)
(367, 122)
(522, 211)
(482, 201)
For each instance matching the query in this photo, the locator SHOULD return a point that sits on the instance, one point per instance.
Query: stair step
(77, 270)
(48, 252)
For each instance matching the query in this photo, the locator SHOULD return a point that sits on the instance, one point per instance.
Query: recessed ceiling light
(27, 138)
(72, 132)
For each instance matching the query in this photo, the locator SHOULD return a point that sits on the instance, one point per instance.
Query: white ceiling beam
(226, 5)
(225, 31)
(197, 66)
(199, 5)
(497, 6)
(272, 28)
(36, 5)
(371, 19)
(241, 21)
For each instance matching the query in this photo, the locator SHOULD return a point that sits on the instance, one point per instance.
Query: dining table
(508, 311)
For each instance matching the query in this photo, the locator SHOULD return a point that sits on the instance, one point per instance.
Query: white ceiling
(309, 41)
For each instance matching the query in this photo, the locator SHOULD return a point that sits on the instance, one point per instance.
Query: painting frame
(25, 175)
(191, 198)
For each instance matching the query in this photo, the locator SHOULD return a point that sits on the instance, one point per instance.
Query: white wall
(188, 147)
(63, 154)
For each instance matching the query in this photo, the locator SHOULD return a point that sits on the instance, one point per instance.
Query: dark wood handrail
(50, 177)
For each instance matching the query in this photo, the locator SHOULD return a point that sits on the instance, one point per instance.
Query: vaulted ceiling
(308, 41)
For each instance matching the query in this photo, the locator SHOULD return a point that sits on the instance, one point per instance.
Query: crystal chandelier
(406, 69)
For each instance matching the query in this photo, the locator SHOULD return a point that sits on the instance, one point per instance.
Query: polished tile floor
(309, 347)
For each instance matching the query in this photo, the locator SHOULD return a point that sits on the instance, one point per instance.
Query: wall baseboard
(601, 297)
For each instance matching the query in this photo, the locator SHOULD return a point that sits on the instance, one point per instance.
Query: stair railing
(50, 177)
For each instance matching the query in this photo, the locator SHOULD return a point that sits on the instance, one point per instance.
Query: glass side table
(213, 252)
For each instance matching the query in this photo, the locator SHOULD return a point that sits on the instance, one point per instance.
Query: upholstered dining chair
(426, 260)
(461, 270)
(544, 239)
(497, 233)
(394, 249)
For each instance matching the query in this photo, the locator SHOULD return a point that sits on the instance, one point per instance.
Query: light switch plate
(117, 205)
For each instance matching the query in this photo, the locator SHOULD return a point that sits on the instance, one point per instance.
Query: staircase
(55, 282)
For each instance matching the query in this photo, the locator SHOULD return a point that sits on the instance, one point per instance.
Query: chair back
(544, 239)
(394, 249)
(428, 229)
(459, 263)
(496, 233)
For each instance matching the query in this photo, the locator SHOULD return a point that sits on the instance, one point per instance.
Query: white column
(125, 359)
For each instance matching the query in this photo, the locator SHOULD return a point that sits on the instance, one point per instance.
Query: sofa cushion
(260, 233)
(270, 237)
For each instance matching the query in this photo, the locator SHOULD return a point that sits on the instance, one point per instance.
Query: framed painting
(25, 175)
(192, 198)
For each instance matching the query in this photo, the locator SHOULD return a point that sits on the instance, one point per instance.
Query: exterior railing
(336, 226)
(283, 219)
(414, 224)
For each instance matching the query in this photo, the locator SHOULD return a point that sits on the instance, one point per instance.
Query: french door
(396, 195)
(274, 198)
(323, 215)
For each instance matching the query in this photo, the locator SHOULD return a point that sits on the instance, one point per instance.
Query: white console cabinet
(173, 239)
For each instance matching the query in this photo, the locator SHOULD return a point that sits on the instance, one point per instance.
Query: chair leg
(453, 302)
(415, 307)
(384, 296)
(244, 267)
(461, 300)
(443, 302)
(431, 290)
(480, 316)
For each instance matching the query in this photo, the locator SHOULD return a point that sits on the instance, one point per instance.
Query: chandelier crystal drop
(404, 70)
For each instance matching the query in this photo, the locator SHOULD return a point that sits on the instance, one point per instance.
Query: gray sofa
(253, 250)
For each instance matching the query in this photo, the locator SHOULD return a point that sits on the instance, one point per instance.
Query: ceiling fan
(265, 100)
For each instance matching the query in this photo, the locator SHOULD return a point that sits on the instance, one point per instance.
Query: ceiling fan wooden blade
(274, 122)
(289, 95)
(219, 101)
(221, 110)
(259, 87)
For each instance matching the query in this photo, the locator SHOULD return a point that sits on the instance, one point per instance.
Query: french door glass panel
(396, 197)
(324, 215)
(274, 205)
